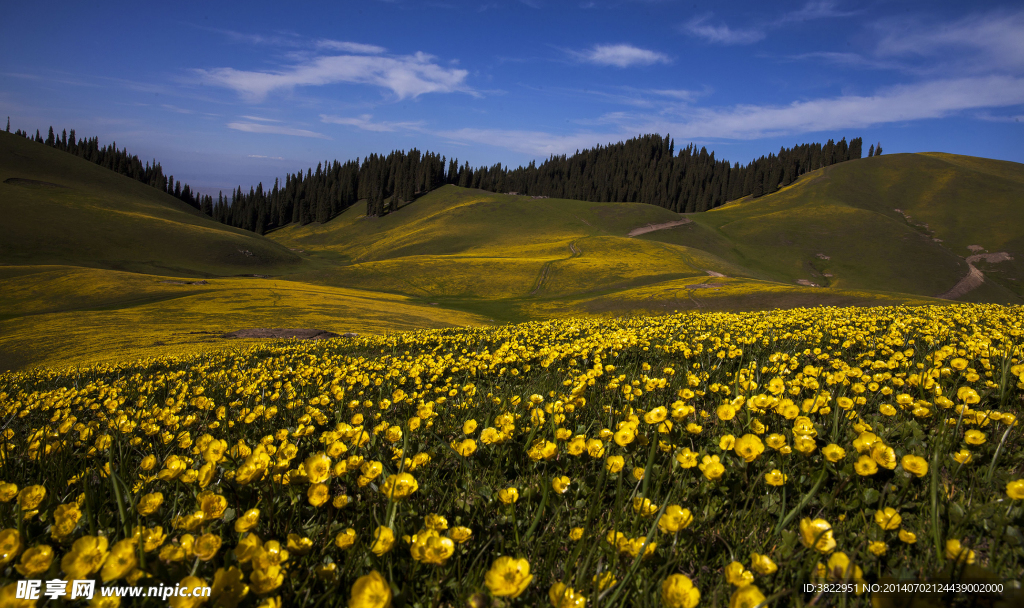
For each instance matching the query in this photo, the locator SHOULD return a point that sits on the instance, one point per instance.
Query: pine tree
(8, 124)
(871, 151)
(878, 149)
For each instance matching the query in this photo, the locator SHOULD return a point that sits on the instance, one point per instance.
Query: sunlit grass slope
(899, 223)
(60, 315)
(60, 209)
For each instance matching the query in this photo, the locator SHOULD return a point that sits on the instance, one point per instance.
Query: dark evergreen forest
(645, 169)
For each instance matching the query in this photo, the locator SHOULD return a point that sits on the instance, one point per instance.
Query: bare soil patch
(662, 226)
(278, 333)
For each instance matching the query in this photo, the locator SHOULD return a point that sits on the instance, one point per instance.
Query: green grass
(87, 254)
(60, 209)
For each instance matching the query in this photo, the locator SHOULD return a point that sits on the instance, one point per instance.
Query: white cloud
(260, 119)
(992, 40)
(252, 127)
(721, 34)
(927, 100)
(405, 76)
(350, 47)
(621, 55)
(819, 9)
(263, 156)
(366, 123)
(536, 143)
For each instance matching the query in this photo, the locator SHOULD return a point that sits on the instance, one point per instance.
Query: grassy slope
(119, 315)
(84, 215)
(848, 213)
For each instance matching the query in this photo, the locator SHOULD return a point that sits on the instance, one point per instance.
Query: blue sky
(227, 94)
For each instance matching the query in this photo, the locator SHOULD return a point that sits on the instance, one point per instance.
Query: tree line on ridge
(645, 169)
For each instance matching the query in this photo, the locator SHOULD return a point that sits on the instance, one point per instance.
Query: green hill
(87, 255)
(60, 209)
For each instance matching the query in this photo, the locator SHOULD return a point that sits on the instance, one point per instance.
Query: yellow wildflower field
(781, 457)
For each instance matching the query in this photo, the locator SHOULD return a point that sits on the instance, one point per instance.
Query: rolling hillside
(94, 265)
(60, 209)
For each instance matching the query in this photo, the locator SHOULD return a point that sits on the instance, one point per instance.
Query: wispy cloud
(994, 40)
(721, 33)
(260, 119)
(262, 156)
(253, 127)
(350, 47)
(365, 122)
(621, 55)
(927, 100)
(405, 76)
(536, 143)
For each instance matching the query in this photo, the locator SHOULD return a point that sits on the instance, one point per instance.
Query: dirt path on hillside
(969, 283)
(574, 252)
(975, 277)
(276, 333)
(653, 227)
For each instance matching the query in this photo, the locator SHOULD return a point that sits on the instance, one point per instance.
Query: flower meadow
(700, 459)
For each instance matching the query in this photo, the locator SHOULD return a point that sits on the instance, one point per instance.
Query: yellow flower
(466, 447)
(595, 448)
(972, 437)
(341, 501)
(212, 505)
(749, 447)
(433, 521)
(345, 539)
(833, 453)
(746, 597)
(370, 591)
(674, 519)
(186, 599)
(317, 494)
(542, 450)
(431, 548)
(908, 537)
(657, 415)
(817, 534)
(86, 557)
(562, 596)
(644, 506)
(877, 547)
(318, 467)
(1015, 489)
(687, 458)
(508, 495)
(726, 412)
(624, 436)
(738, 576)
(963, 456)
(508, 577)
(576, 534)
(955, 551)
(884, 455)
(560, 484)
(865, 466)
(30, 497)
(247, 547)
(678, 591)
(694, 428)
(888, 518)
(614, 464)
(840, 569)
(148, 463)
(229, 587)
(460, 534)
(265, 580)
(775, 478)
(726, 442)
(35, 561)
(207, 546)
(468, 427)
(383, 539)
(8, 491)
(915, 464)
(711, 467)
(121, 560)
(247, 521)
(762, 564)
(397, 487)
